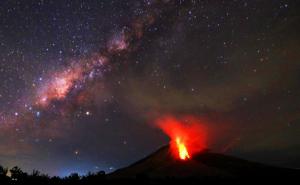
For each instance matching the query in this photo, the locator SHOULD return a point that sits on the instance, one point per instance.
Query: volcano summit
(202, 167)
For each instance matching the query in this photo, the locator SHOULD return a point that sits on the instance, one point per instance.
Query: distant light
(111, 168)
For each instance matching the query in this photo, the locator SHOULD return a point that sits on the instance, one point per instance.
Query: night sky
(82, 82)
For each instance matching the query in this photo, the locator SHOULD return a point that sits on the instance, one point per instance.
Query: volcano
(204, 165)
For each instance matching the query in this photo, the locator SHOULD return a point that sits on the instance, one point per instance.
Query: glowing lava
(187, 134)
(183, 153)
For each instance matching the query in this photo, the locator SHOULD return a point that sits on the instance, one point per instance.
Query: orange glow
(183, 153)
(187, 135)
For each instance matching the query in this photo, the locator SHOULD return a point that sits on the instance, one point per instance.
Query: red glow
(187, 134)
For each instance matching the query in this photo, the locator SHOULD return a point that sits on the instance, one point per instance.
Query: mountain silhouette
(162, 167)
(204, 165)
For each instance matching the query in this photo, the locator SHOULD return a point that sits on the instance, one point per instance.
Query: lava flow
(183, 153)
(187, 134)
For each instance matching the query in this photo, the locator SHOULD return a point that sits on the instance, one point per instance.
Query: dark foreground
(18, 177)
(98, 180)
(161, 168)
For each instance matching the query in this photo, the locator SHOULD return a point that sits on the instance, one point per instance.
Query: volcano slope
(161, 166)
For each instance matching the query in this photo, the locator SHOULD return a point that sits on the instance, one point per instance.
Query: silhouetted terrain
(204, 166)
(161, 168)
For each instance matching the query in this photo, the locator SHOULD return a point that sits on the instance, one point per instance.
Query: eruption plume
(187, 135)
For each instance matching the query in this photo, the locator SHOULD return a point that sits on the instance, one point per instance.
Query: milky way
(83, 82)
(41, 109)
(59, 84)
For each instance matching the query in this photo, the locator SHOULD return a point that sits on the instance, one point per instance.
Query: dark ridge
(161, 167)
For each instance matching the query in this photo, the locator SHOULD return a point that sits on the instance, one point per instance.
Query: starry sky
(83, 81)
